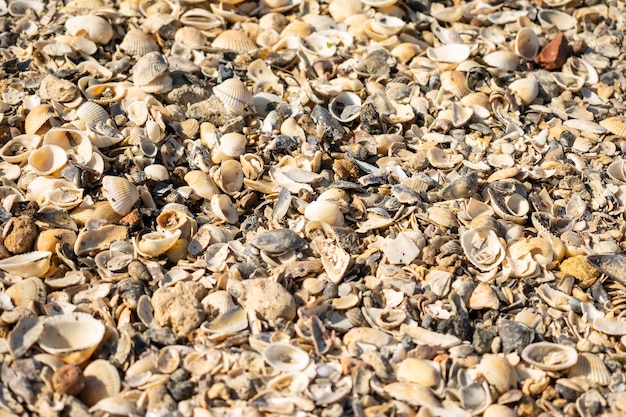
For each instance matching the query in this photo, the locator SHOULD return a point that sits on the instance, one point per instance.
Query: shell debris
(307, 207)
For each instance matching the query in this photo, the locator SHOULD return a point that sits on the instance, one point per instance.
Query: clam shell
(418, 371)
(498, 372)
(615, 125)
(506, 61)
(191, 37)
(450, 54)
(234, 95)
(617, 170)
(72, 337)
(37, 118)
(24, 335)
(177, 219)
(48, 239)
(200, 19)
(345, 107)
(105, 93)
(120, 193)
(74, 142)
(139, 43)
(102, 380)
(567, 81)
(231, 145)
(90, 112)
(499, 410)
(27, 291)
(562, 21)
(591, 367)
(234, 40)
(94, 27)
(550, 356)
(18, 149)
(154, 244)
(229, 322)
(483, 248)
(48, 159)
(224, 208)
(229, 176)
(526, 89)
(201, 184)
(324, 211)
(526, 44)
(27, 264)
(447, 14)
(285, 357)
(454, 82)
(149, 68)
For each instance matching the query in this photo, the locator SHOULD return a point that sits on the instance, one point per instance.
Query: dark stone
(163, 336)
(515, 336)
(483, 339)
(459, 326)
(370, 120)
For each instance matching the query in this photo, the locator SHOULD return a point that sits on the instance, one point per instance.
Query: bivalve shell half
(526, 89)
(31, 264)
(592, 367)
(191, 37)
(18, 149)
(483, 248)
(154, 244)
(285, 357)
(72, 337)
(121, 193)
(562, 21)
(550, 356)
(418, 371)
(615, 125)
(102, 380)
(345, 107)
(90, 112)
(24, 292)
(503, 60)
(224, 208)
(498, 372)
(138, 43)
(48, 159)
(94, 27)
(324, 211)
(234, 94)
(74, 142)
(234, 40)
(451, 53)
(149, 68)
(526, 44)
(38, 118)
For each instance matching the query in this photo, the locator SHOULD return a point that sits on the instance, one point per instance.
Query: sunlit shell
(154, 244)
(27, 291)
(443, 159)
(562, 21)
(229, 322)
(231, 145)
(591, 367)
(345, 107)
(200, 19)
(483, 248)
(503, 60)
(72, 337)
(252, 165)
(615, 125)
(137, 42)
(149, 68)
(234, 40)
(526, 44)
(447, 14)
(418, 371)
(234, 94)
(121, 193)
(451, 53)
(285, 357)
(550, 356)
(74, 142)
(90, 112)
(224, 208)
(498, 372)
(455, 83)
(526, 89)
(99, 210)
(38, 118)
(95, 28)
(190, 37)
(174, 218)
(324, 211)
(49, 239)
(102, 380)
(340, 10)
(47, 159)
(64, 197)
(22, 7)
(567, 81)
(18, 149)
(229, 176)
(105, 93)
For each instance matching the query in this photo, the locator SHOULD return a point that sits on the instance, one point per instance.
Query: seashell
(562, 21)
(120, 193)
(24, 335)
(173, 218)
(591, 367)
(75, 143)
(229, 322)
(455, 83)
(526, 89)
(31, 264)
(526, 44)
(567, 81)
(419, 371)
(234, 40)
(449, 54)
(200, 19)
(439, 158)
(27, 291)
(550, 356)
(582, 68)
(447, 14)
(343, 9)
(38, 119)
(498, 372)
(324, 211)
(499, 410)
(19, 148)
(229, 176)
(345, 107)
(90, 112)
(106, 93)
(503, 60)
(156, 172)
(617, 170)
(231, 145)
(191, 37)
(615, 125)
(223, 207)
(102, 380)
(415, 395)
(50, 238)
(64, 197)
(154, 244)
(138, 43)
(285, 357)
(23, 7)
(100, 210)
(149, 68)
(94, 27)
(483, 248)
(73, 337)
(234, 95)
(201, 184)
(277, 240)
(159, 85)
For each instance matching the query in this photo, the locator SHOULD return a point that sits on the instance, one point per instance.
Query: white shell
(483, 248)
(234, 95)
(28, 264)
(121, 193)
(223, 207)
(18, 148)
(526, 44)
(157, 243)
(345, 107)
(74, 142)
(450, 53)
(550, 356)
(285, 357)
(504, 60)
(324, 211)
(526, 89)
(48, 159)
(562, 21)
(73, 337)
(95, 28)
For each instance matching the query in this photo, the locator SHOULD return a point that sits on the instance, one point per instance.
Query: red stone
(554, 54)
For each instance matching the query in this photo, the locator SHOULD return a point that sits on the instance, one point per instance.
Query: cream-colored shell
(324, 211)
(498, 372)
(224, 208)
(154, 244)
(74, 142)
(37, 118)
(73, 337)
(550, 356)
(48, 159)
(18, 148)
(95, 28)
(102, 380)
(234, 40)
(24, 292)
(234, 94)
(526, 44)
(483, 248)
(121, 193)
(286, 357)
(139, 43)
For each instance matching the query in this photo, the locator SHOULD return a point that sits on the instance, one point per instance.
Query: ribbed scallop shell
(498, 372)
(121, 193)
(139, 43)
(95, 28)
(48, 159)
(72, 337)
(234, 94)
(38, 117)
(233, 40)
(592, 367)
(455, 82)
(29, 290)
(18, 149)
(615, 125)
(102, 380)
(150, 67)
(504, 60)
(90, 112)
(101, 210)
(550, 356)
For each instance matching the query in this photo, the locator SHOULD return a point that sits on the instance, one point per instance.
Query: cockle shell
(551, 17)
(419, 371)
(28, 264)
(592, 367)
(286, 357)
(139, 43)
(234, 40)
(201, 184)
(24, 292)
(72, 337)
(224, 208)
(121, 193)
(149, 68)
(498, 372)
(90, 112)
(154, 244)
(526, 44)
(615, 125)
(526, 89)
(94, 27)
(483, 248)
(550, 356)
(503, 60)
(234, 94)
(102, 380)
(191, 37)
(38, 118)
